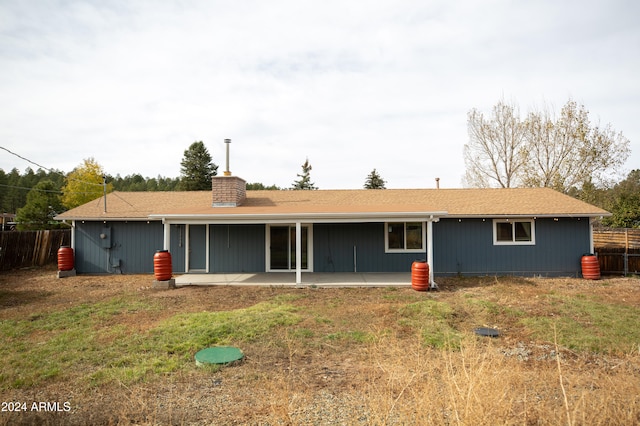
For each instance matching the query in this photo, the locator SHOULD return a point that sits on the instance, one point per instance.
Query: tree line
(566, 152)
(38, 196)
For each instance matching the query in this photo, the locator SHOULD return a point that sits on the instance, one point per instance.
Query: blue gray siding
(237, 248)
(333, 249)
(460, 247)
(466, 247)
(176, 247)
(127, 247)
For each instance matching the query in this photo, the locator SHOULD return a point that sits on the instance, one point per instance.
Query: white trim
(405, 250)
(591, 245)
(267, 250)
(532, 242)
(299, 252)
(292, 218)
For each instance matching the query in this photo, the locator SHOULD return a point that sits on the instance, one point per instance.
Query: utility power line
(47, 168)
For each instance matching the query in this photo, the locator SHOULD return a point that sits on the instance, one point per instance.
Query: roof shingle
(456, 202)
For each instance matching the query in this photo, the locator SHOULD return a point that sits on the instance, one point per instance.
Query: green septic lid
(218, 355)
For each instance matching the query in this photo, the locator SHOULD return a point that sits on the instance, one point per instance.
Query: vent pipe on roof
(437, 183)
(227, 142)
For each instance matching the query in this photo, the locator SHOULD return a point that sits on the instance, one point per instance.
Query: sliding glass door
(282, 247)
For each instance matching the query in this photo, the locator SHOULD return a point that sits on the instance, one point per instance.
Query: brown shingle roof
(456, 202)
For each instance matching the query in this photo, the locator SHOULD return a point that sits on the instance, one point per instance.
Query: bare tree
(495, 153)
(544, 150)
(566, 151)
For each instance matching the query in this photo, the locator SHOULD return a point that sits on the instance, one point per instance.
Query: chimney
(227, 190)
(227, 172)
(437, 183)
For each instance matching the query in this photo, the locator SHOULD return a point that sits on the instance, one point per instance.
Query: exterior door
(197, 248)
(282, 248)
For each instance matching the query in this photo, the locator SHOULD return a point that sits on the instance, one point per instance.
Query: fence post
(626, 252)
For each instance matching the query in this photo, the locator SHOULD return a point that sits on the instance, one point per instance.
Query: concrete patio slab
(277, 279)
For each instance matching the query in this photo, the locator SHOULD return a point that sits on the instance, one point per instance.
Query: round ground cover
(218, 355)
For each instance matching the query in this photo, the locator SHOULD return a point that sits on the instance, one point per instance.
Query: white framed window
(405, 237)
(514, 232)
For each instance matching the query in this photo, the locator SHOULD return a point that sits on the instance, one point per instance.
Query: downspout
(167, 235)
(432, 283)
(73, 235)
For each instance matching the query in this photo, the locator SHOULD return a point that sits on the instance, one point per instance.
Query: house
(522, 231)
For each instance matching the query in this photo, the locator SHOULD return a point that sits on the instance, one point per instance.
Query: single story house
(519, 231)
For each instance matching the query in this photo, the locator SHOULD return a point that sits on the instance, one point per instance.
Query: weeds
(319, 356)
(586, 324)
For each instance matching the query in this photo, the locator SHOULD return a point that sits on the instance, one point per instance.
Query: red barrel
(65, 258)
(420, 275)
(162, 265)
(590, 267)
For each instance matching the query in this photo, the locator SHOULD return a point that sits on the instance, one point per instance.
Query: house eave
(333, 217)
(106, 219)
(528, 216)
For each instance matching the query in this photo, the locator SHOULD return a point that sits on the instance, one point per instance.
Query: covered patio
(275, 279)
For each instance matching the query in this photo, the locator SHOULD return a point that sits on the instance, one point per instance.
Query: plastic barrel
(162, 265)
(420, 275)
(590, 267)
(65, 258)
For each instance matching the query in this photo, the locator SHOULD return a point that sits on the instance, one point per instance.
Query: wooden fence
(618, 250)
(19, 249)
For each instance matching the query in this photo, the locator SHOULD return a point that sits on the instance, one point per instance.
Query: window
(514, 232)
(405, 236)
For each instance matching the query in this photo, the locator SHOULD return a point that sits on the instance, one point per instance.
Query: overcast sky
(352, 85)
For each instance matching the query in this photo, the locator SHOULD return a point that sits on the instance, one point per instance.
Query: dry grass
(340, 356)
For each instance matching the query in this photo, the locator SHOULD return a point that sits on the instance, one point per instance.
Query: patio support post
(298, 253)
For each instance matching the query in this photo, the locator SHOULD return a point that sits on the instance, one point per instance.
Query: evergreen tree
(15, 197)
(4, 188)
(43, 203)
(624, 203)
(197, 168)
(305, 178)
(374, 181)
(257, 186)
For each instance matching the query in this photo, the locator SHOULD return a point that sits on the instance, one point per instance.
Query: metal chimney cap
(227, 141)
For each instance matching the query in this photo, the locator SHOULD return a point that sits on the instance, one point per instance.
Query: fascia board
(302, 217)
(527, 216)
(107, 219)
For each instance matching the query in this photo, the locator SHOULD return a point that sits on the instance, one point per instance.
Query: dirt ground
(280, 383)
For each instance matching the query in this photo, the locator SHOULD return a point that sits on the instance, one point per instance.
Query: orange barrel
(420, 275)
(162, 265)
(65, 258)
(590, 267)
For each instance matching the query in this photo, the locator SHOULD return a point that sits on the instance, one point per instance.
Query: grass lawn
(110, 350)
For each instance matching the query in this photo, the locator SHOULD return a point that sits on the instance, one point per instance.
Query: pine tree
(196, 168)
(374, 181)
(43, 203)
(305, 179)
